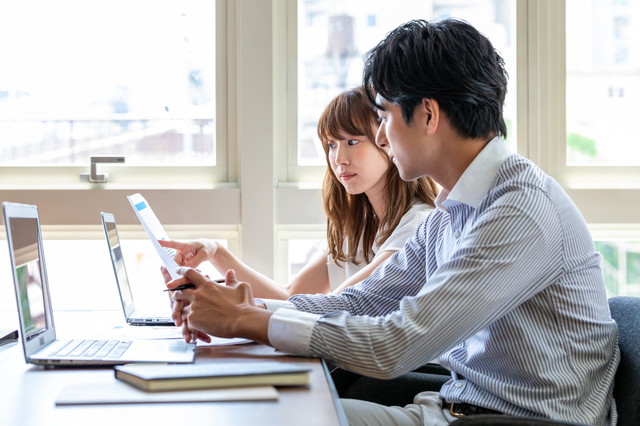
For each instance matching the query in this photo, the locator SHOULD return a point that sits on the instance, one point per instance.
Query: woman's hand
(191, 253)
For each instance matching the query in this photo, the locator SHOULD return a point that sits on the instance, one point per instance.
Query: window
(334, 36)
(620, 266)
(133, 79)
(301, 252)
(140, 79)
(603, 78)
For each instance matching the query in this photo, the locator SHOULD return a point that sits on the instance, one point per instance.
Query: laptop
(37, 328)
(133, 316)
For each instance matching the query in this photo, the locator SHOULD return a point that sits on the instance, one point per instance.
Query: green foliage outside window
(633, 267)
(609, 252)
(582, 145)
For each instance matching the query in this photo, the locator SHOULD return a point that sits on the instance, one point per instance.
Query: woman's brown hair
(351, 217)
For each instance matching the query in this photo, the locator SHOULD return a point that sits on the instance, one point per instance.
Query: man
(501, 284)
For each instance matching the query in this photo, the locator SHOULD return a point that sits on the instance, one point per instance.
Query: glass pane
(301, 252)
(621, 267)
(334, 35)
(132, 78)
(603, 78)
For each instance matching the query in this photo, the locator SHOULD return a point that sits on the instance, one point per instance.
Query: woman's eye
(353, 141)
(331, 146)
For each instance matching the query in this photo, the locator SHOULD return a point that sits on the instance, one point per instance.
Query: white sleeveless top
(396, 241)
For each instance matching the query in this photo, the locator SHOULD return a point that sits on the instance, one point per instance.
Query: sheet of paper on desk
(221, 341)
(133, 332)
(117, 392)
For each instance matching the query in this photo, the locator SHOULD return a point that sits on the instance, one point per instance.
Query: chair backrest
(626, 391)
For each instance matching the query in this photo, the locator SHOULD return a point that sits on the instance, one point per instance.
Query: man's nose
(381, 137)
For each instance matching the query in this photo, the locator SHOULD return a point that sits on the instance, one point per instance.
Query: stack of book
(214, 375)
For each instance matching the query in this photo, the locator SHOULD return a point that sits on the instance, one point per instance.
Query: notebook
(37, 329)
(213, 375)
(160, 316)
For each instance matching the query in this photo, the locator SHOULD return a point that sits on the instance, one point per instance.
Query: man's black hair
(448, 61)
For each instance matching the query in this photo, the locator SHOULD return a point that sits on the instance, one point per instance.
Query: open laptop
(37, 329)
(133, 316)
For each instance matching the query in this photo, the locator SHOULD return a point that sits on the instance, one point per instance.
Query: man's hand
(176, 310)
(217, 309)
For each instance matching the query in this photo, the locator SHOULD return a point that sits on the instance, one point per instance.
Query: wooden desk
(28, 392)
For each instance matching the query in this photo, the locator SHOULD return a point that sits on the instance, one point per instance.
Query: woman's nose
(341, 155)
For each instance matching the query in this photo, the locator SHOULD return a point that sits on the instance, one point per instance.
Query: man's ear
(430, 115)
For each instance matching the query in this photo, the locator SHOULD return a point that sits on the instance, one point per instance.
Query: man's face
(406, 143)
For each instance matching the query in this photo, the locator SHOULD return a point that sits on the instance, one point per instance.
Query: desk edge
(334, 393)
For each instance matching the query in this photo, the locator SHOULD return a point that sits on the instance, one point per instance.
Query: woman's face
(358, 164)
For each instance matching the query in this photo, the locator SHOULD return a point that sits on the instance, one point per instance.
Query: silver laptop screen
(29, 275)
(118, 263)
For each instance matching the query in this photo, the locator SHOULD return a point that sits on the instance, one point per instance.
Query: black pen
(186, 286)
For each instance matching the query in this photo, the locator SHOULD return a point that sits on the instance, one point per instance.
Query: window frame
(202, 188)
(27, 177)
(607, 196)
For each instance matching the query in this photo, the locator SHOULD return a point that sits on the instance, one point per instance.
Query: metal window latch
(104, 177)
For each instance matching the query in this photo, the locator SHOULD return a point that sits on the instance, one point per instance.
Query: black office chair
(626, 312)
(626, 391)
(399, 391)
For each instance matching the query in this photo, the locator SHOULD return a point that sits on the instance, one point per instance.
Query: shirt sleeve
(510, 254)
(290, 331)
(274, 304)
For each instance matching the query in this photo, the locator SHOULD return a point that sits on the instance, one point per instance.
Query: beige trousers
(426, 410)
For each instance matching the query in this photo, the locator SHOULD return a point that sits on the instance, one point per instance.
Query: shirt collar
(476, 180)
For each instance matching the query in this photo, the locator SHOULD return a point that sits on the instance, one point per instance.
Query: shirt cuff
(290, 331)
(274, 305)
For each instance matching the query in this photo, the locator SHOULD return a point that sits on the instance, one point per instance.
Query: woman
(371, 211)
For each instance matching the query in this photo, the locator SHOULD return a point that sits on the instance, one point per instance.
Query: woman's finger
(175, 245)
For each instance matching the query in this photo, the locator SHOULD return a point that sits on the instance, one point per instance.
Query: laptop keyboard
(111, 349)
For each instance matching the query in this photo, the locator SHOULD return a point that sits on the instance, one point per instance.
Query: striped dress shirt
(502, 284)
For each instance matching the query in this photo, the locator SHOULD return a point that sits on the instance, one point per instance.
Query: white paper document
(133, 332)
(155, 231)
(116, 392)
